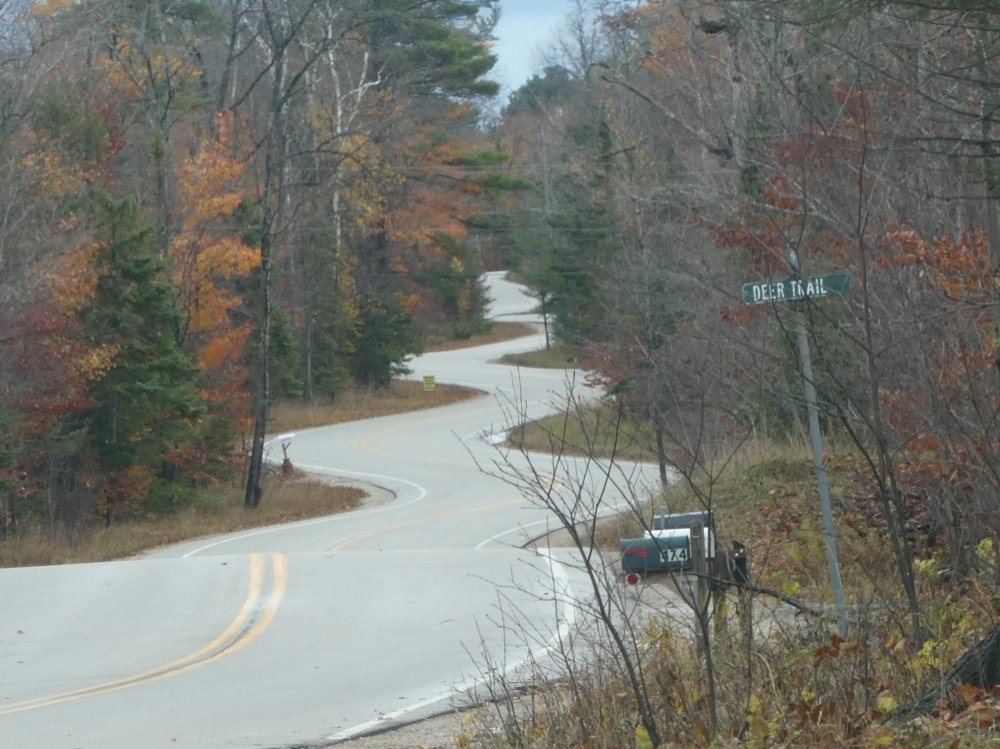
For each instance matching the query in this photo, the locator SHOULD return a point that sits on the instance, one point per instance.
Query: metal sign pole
(824, 486)
(799, 288)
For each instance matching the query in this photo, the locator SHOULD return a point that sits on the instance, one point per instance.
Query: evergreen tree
(564, 252)
(331, 324)
(554, 88)
(385, 338)
(439, 47)
(286, 381)
(146, 406)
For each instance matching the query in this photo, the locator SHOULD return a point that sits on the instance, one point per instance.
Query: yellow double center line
(253, 618)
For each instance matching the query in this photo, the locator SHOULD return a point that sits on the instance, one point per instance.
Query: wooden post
(720, 607)
(741, 577)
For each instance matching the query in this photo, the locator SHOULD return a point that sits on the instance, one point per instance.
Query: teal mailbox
(667, 547)
(657, 551)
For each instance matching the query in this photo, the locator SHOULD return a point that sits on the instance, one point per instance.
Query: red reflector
(637, 552)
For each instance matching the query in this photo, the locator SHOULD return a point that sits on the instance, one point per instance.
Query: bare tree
(282, 76)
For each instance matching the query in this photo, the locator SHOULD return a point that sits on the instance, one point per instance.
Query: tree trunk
(255, 472)
(661, 452)
(272, 202)
(979, 667)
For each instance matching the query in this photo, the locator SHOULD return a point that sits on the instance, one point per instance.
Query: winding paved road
(313, 631)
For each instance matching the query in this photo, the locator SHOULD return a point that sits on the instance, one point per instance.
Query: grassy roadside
(216, 510)
(795, 681)
(766, 496)
(557, 356)
(400, 397)
(763, 493)
(501, 331)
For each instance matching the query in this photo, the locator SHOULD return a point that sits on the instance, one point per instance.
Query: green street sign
(795, 290)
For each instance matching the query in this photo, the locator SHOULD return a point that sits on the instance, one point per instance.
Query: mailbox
(683, 521)
(667, 547)
(669, 550)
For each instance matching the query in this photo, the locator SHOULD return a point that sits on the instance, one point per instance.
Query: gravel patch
(441, 732)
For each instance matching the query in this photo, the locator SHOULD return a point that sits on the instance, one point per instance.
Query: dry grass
(765, 495)
(808, 687)
(220, 509)
(216, 510)
(590, 431)
(401, 397)
(501, 331)
(557, 356)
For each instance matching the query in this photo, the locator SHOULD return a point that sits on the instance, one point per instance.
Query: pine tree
(386, 337)
(439, 47)
(146, 406)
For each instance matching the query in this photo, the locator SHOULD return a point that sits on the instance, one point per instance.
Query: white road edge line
(392, 506)
(567, 620)
(611, 510)
(494, 538)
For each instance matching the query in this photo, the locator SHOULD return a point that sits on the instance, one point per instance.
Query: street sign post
(798, 289)
(795, 289)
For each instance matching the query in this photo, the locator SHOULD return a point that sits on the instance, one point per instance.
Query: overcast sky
(525, 26)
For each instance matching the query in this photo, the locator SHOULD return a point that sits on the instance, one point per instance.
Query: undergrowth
(784, 678)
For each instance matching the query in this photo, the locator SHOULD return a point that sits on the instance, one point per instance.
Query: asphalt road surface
(318, 630)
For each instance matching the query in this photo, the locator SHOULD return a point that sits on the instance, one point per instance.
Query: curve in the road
(251, 621)
(380, 609)
(372, 532)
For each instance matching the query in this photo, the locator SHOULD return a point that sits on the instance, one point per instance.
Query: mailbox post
(699, 585)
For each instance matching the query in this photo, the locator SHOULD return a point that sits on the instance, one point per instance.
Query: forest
(208, 205)
(211, 205)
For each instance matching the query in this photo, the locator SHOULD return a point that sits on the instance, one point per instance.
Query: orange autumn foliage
(207, 257)
(441, 202)
(221, 348)
(667, 35)
(957, 265)
(72, 282)
(427, 214)
(206, 254)
(780, 193)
